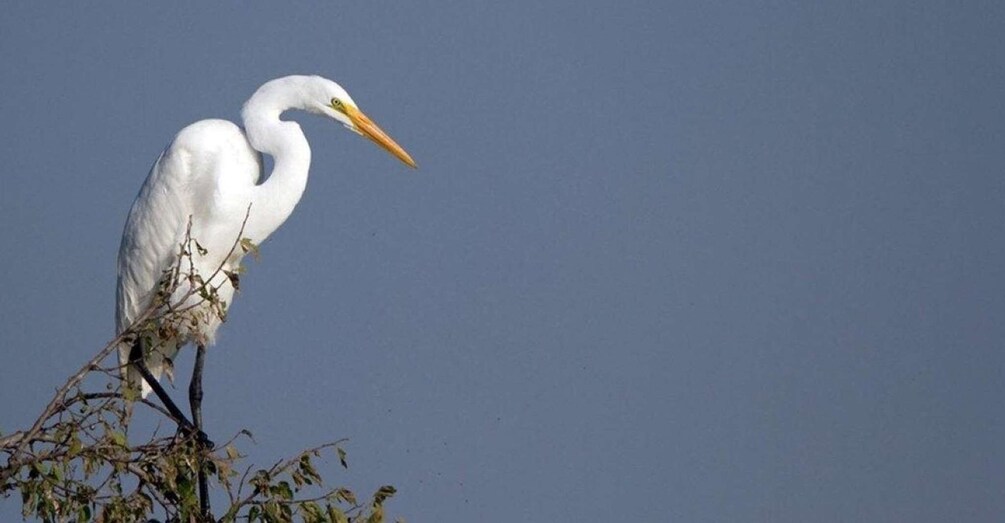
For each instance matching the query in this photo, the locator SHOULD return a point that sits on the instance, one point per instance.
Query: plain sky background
(662, 261)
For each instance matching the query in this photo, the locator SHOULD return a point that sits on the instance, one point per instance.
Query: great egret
(208, 179)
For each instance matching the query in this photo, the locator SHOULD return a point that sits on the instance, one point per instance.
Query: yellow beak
(366, 127)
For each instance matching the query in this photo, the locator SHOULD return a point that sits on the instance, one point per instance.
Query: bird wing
(181, 184)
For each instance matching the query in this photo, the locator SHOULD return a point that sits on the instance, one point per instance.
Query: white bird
(209, 176)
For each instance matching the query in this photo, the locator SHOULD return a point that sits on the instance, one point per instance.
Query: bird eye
(336, 102)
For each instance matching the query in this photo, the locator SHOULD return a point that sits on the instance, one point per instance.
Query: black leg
(195, 401)
(195, 387)
(136, 359)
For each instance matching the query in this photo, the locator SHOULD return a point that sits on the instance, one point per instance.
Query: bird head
(333, 101)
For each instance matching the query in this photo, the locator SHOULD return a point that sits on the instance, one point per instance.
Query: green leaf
(84, 514)
(382, 494)
(272, 512)
(336, 515)
(377, 516)
(341, 457)
(75, 445)
(186, 488)
(283, 490)
(118, 438)
(309, 472)
(130, 394)
(311, 512)
(344, 494)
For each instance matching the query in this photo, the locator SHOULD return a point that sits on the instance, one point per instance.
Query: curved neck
(273, 200)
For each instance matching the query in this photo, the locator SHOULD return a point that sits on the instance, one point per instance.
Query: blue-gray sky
(662, 261)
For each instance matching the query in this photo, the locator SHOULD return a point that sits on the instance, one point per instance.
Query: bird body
(206, 186)
(205, 173)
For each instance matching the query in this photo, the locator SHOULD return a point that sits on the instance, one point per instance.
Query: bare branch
(75, 463)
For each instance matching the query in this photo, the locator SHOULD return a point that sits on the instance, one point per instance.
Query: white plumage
(210, 174)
